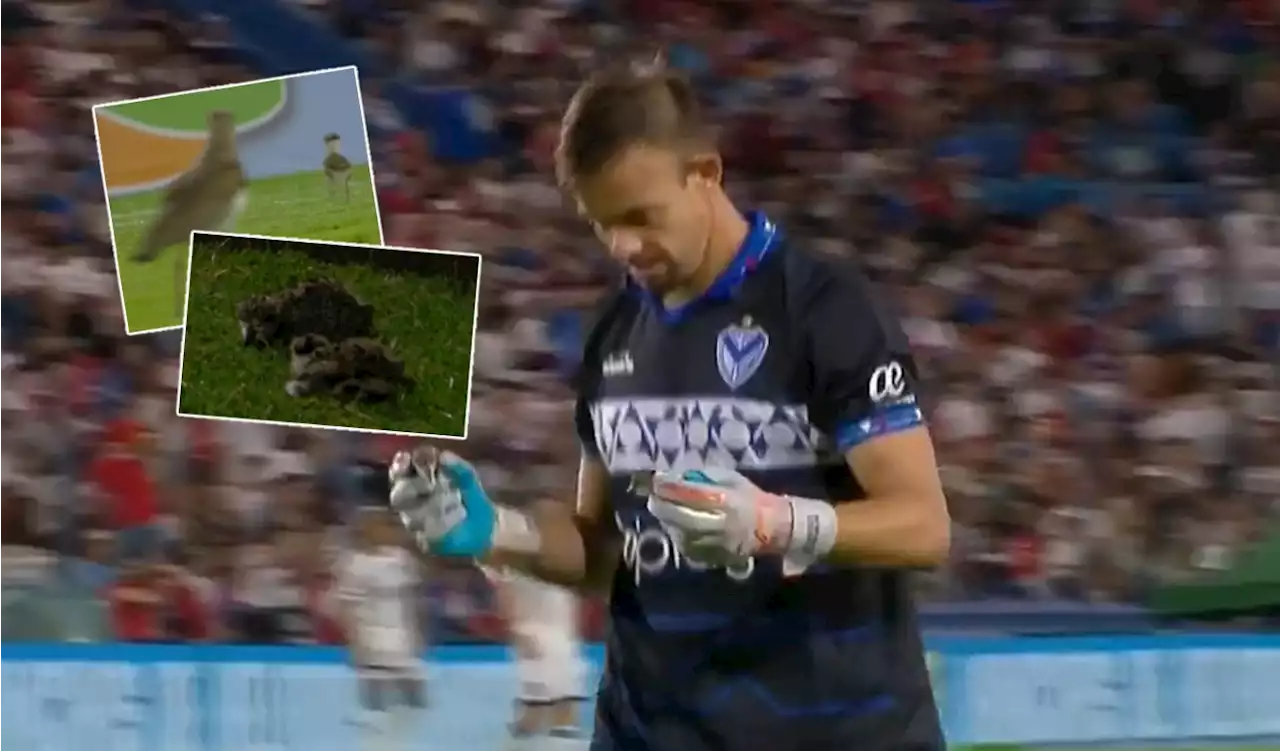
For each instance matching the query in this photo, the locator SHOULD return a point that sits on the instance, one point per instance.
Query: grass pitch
(1169, 746)
(427, 320)
(296, 205)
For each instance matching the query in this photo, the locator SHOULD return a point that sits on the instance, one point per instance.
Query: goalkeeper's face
(651, 207)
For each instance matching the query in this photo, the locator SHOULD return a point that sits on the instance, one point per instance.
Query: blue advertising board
(1042, 691)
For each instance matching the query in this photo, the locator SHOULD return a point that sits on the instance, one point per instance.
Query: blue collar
(761, 239)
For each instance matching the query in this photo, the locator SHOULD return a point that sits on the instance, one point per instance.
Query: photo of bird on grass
(337, 168)
(328, 334)
(234, 158)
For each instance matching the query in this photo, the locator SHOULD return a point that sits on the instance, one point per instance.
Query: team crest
(740, 349)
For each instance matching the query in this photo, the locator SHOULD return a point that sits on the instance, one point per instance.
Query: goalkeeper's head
(641, 164)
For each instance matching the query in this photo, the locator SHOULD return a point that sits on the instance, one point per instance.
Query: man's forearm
(558, 547)
(892, 532)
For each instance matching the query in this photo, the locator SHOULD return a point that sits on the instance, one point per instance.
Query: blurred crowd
(1075, 205)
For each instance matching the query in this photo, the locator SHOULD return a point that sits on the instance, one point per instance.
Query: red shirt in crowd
(17, 78)
(932, 197)
(203, 437)
(143, 609)
(1043, 153)
(189, 619)
(122, 478)
(1024, 557)
(326, 626)
(134, 612)
(80, 382)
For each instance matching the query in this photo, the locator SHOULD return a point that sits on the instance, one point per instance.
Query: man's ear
(706, 168)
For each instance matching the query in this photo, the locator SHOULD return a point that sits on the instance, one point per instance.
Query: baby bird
(319, 306)
(356, 369)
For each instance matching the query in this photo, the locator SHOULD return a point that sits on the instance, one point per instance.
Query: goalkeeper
(756, 478)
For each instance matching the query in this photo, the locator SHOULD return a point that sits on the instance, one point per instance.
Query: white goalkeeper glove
(442, 504)
(719, 514)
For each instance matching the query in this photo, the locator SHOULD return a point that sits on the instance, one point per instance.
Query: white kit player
(378, 584)
(544, 629)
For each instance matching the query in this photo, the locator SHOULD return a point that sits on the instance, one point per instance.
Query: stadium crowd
(1074, 204)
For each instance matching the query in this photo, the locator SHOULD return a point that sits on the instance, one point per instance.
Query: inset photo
(299, 332)
(282, 156)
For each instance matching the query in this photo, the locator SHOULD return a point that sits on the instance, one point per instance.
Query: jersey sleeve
(864, 380)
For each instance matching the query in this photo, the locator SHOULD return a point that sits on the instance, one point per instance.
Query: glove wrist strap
(515, 532)
(813, 528)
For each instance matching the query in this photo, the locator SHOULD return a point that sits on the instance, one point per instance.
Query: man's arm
(865, 392)
(580, 548)
(577, 548)
(903, 521)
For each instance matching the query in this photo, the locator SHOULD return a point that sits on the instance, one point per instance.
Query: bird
(357, 368)
(319, 306)
(210, 196)
(337, 168)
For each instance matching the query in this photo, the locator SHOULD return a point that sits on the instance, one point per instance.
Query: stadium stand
(1075, 205)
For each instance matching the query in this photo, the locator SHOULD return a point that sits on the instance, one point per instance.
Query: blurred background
(1074, 204)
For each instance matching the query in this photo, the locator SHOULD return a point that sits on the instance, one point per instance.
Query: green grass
(187, 112)
(426, 320)
(1171, 746)
(295, 205)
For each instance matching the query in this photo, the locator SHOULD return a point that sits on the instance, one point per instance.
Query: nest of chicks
(331, 340)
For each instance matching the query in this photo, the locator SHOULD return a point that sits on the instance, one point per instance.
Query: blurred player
(378, 588)
(756, 480)
(544, 633)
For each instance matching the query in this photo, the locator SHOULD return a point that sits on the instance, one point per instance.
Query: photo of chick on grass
(322, 334)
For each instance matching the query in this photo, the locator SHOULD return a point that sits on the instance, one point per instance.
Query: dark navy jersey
(785, 363)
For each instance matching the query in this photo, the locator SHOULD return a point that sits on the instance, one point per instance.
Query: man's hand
(440, 501)
(718, 516)
(719, 511)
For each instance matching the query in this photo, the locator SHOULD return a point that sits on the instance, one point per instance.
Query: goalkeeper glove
(441, 502)
(719, 511)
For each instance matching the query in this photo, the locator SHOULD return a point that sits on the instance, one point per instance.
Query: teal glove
(442, 504)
